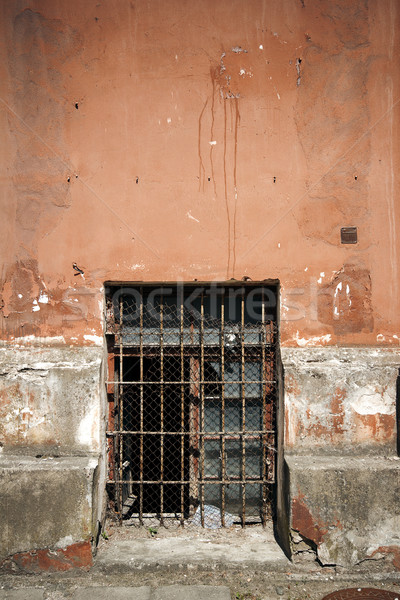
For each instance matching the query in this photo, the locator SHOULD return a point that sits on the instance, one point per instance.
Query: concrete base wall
(346, 506)
(52, 463)
(342, 474)
(46, 502)
(340, 398)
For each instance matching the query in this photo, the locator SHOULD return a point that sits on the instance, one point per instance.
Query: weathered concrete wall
(51, 400)
(45, 502)
(342, 474)
(347, 506)
(168, 141)
(52, 463)
(340, 399)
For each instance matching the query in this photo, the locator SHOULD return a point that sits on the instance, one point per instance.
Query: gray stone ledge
(338, 357)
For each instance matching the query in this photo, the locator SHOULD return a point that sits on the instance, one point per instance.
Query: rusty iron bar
(223, 434)
(209, 480)
(243, 414)
(121, 410)
(210, 435)
(162, 409)
(182, 418)
(215, 381)
(202, 416)
(141, 451)
(263, 391)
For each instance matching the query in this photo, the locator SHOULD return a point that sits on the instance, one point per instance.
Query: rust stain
(75, 556)
(235, 186)
(337, 411)
(374, 428)
(213, 81)
(201, 164)
(226, 198)
(292, 385)
(394, 550)
(305, 523)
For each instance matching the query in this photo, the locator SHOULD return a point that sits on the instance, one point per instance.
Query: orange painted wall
(185, 140)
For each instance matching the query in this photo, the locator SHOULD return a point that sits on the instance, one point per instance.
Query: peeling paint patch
(96, 339)
(43, 298)
(190, 216)
(32, 339)
(238, 50)
(370, 402)
(86, 430)
(314, 341)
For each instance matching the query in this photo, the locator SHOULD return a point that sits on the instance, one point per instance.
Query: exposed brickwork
(304, 522)
(75, 556)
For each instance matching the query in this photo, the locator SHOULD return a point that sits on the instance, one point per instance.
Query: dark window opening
(192, 400)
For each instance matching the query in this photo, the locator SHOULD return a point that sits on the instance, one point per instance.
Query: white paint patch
(64, 542)
(348, 294)
(338, 288)
(138, 266)
(35, 307)
(213, 143)
(313, 341)
(242, 72)
(20, 296)
(96, 339)
(370, 402)
(29, 339)
(43, 298)
(176, 57)
(306, 269)
(279, 244)
(169, 120)
(319, 280)
(261, 47)
(380, 338)
(278, 95)
(86, 426)
(190, 216)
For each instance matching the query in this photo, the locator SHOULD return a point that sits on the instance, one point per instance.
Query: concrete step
(249, 550)
(169, 592)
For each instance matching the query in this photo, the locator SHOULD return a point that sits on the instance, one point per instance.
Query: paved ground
(198, 565)
(173, 592)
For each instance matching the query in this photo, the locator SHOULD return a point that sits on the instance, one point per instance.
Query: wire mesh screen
(192, 396)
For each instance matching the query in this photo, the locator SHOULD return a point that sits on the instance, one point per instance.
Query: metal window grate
(192, 395)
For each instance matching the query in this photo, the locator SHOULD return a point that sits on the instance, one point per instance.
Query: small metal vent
(348, 235)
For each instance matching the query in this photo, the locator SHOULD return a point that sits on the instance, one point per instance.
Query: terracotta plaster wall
(209, 140)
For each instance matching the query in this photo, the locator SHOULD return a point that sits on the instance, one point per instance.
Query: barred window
(192, 399)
